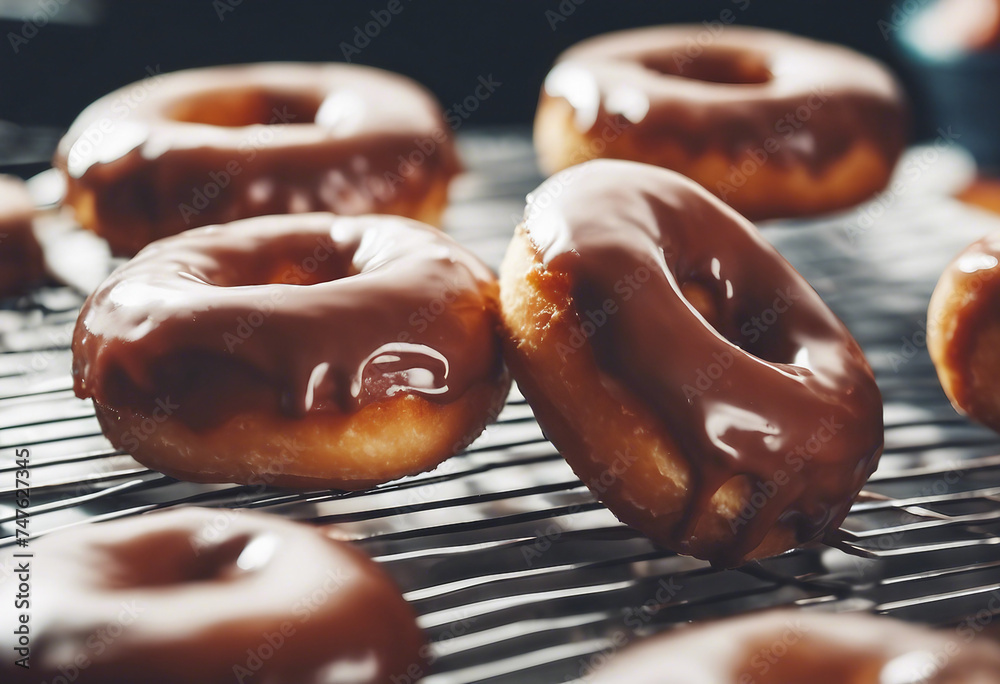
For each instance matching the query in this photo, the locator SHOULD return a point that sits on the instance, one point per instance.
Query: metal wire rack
(518, 575)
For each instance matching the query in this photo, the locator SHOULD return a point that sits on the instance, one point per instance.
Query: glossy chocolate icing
(290, 313)
(21, 260)
(208, 146)
(199, 595)
(786, 646)
(731, 89)
(771, 386)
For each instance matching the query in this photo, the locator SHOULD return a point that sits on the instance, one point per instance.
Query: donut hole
(310, 263)
(236, 108)
(298, 272)
(174, 557)
(755, 330)
(712, 65)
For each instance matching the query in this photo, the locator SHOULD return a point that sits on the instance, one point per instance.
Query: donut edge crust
(769, 192)
(127, 239)
(381, 442)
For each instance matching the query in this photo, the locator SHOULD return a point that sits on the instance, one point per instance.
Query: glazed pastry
(302, 351)
(963, 331)
(21, 261)
(774, 124)
(215, 145)
(207, 596)
(691, 377)
(784, 646)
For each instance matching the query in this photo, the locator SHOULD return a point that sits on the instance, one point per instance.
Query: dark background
(62, 60)
(444, 44)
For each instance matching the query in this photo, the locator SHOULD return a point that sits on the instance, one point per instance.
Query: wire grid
(516, 572)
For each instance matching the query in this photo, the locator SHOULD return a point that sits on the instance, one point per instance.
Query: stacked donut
(290, 319)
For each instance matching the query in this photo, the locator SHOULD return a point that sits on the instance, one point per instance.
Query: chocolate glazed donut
(628, 295)
(784, 646)
(963, 331)
(774, 124)
(207, 146)
(209, 596)
(305, 351)
(22, 263)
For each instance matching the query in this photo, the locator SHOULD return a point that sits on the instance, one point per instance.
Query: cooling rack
(517, 574)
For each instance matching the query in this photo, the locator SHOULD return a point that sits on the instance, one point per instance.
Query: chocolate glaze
(21, 260)
(291, 313)
(253, 140)
(198, 595)
(784, 646)
(797, 397)
(733, 94)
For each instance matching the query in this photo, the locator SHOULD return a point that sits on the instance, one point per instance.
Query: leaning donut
(774, 124)
(207, 146)
(783, 646)
(305, 351)
(690, 376)
(207, 596)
